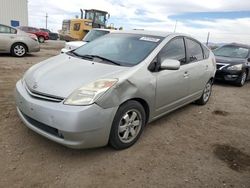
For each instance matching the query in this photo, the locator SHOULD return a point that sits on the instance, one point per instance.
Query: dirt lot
(196, 146)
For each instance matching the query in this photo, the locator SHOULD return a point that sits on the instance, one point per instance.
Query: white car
(92, 35)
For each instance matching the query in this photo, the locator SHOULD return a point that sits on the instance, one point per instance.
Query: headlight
(235, 67)
(88, 94)
(88, 23)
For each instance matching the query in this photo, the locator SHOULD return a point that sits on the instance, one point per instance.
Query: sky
(226, 20)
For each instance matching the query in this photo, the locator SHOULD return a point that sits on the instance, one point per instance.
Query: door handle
(186, 74)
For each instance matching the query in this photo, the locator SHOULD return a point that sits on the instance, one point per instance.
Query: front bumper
(227, 75)
(72, 126)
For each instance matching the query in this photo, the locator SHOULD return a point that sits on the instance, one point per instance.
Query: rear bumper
(72, 126)
(34, 47)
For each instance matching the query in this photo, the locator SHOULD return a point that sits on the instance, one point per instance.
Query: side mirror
(170, 64)
(248, 59)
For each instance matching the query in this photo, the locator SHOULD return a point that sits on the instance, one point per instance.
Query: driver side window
(175, 49)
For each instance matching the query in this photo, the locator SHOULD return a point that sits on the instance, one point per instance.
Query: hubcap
(243, 78)
(19, 50)
(129, 126)
(41, 39)
(207, 92)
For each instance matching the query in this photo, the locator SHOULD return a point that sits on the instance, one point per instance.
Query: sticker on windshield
(150, 39)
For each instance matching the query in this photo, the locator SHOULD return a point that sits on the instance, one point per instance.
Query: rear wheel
(18, 50)
(206, 94)
(41, 39)
(242, 79)
(127, 125)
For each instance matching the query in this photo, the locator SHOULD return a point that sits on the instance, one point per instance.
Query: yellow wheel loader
(76, 29)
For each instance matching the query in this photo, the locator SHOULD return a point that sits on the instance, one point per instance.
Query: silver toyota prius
(106, 91)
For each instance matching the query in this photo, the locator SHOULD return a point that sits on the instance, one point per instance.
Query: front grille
(43, 96)
(43, 127)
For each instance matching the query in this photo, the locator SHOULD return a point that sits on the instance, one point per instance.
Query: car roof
(152, 33)
(238, 45)
(8, 26)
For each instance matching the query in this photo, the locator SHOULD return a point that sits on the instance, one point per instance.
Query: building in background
(14, 12)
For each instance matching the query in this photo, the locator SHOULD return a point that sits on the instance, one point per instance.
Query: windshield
(100, 18)
(94, 34)
(232, 51)
(125, 49)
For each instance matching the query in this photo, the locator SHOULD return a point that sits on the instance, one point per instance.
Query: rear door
(172, 85)
(198, 67)
(7, 38)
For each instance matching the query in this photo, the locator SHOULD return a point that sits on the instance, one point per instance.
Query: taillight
(34, 37)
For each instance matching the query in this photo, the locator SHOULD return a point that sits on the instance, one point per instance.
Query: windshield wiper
(91, 57)
(73, 53)
(102, 58)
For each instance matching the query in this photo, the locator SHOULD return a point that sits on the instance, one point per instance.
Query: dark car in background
(41, 35)
(52, 36)
(233, 63)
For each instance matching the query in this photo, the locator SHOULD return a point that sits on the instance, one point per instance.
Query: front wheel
(206, 94)
(127, 125)
(242, 79)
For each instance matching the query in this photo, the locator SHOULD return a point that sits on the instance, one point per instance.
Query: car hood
(62, 74)
(74, 44)
(229, 60)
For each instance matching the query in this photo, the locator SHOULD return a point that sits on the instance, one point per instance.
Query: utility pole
(208, 36)
(46, 20)
(175, 26)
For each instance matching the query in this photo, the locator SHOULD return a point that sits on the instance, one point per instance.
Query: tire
(41, 39)
(127, 125)
(206, 94)
(242, 79)
(19, 50)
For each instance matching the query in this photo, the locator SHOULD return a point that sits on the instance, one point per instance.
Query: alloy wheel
(243, 78)
(207, 92)
(129, 126)
(19, 50)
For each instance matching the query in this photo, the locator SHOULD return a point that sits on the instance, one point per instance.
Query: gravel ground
(195, 146)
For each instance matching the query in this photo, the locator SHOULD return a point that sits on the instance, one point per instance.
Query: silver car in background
(17, 42)
(107, 90)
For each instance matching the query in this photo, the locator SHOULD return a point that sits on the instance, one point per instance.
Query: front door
(172, 85)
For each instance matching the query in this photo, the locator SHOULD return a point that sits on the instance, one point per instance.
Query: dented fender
(137, 87)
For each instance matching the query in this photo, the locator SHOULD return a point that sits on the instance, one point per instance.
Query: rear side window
(7, 30)
(175, 49)
(194, 49)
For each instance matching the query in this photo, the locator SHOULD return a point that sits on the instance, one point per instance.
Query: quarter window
(195, 52)
(175, 49)
(206, 52)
